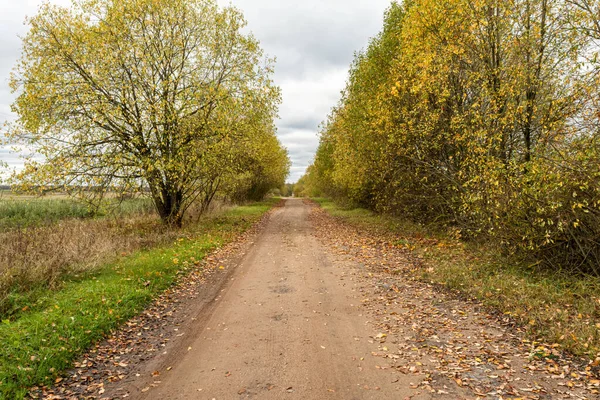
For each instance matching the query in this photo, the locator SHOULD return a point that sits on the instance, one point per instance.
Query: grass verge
(554, 308)
(44, 338)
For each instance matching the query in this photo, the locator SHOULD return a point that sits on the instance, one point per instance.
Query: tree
(482, 115)
(126, 95)
(262, 165)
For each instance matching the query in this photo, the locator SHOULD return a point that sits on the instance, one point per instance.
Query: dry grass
(36, 256)
(40, 256)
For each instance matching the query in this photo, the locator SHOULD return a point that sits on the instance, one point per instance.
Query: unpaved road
(289, 325)
(306, 307)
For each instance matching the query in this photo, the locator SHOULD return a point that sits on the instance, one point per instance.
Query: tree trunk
(169, 206)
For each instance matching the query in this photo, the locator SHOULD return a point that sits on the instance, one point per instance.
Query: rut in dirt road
(289, 325)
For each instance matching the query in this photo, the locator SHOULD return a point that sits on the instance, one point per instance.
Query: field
(20, 211)
(67, 278)
(42, 239)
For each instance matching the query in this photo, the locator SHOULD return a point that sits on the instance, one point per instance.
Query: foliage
(481, 115)
(144, 95)
(300, 187)
(262, 165)
(60, 324)
(3, 174)
(286, 190)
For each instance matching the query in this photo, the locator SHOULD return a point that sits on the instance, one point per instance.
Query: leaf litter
(453, 345)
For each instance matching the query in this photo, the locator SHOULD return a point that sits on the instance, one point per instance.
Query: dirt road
(289, 325)
(306, 307)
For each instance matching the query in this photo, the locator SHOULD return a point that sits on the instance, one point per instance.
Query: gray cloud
(310, 36)
(11, 160)
(313, 41)
(9, 157)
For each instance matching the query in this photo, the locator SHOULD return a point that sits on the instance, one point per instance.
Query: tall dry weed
(42, 255)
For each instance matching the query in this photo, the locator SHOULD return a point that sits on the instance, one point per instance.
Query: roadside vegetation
(480, 116)
(480, 119)
(47, 327)
(39, 256)
(561, 310)
(150, 125)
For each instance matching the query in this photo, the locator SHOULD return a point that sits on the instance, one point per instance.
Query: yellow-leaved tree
(482, 115)
(140, 95)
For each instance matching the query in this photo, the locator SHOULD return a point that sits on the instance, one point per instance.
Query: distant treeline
(480, 116)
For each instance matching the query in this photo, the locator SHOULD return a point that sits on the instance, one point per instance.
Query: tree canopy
(147, 95)
(481, 115)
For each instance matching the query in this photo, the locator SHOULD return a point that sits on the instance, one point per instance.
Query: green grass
(44, 338)
(554, 308)
(24, 211)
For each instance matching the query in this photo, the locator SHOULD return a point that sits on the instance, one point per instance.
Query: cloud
(10, 162)
(313, 41)
(10, 157)
(306, 103)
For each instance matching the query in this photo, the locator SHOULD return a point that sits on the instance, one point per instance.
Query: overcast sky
(313, 41)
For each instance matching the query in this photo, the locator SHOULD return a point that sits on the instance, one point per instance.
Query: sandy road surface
(304, 306)
(289, 325)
